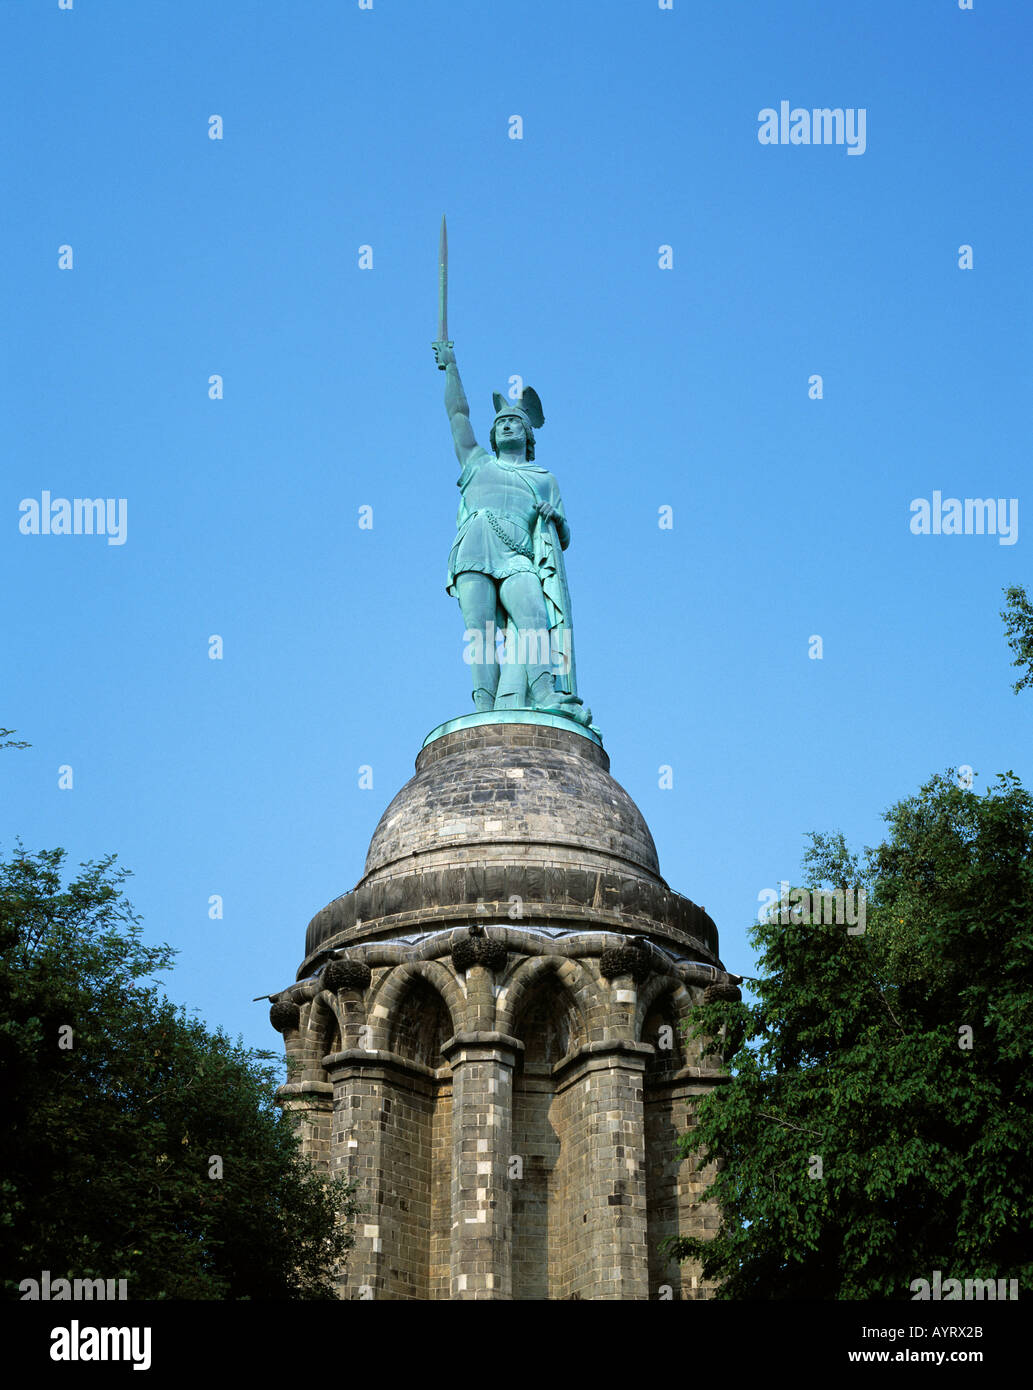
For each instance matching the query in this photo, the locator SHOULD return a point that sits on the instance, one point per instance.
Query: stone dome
(510, 808)
(517, 793)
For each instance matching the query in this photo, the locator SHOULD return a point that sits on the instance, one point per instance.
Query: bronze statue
(506, 564)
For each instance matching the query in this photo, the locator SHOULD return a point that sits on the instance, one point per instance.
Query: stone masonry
(487, 1032)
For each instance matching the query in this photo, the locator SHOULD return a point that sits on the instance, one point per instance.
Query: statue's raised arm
(456, 404)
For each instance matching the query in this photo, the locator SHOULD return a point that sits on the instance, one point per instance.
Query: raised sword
(443, 288)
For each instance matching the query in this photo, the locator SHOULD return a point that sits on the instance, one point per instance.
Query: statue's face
(510, 429)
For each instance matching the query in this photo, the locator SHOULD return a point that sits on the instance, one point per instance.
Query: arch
(324, 1024)
(649, 992)
(548, 1022)
(528, 976)
(386, 995)
(420, 1024)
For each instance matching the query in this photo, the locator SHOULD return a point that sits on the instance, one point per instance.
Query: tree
(137, 1143)
(876, 1126)
(1018, 623)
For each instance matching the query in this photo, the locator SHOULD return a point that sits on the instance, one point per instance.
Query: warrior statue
(506, 564)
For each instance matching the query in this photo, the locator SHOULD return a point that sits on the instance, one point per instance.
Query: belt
(493, 522)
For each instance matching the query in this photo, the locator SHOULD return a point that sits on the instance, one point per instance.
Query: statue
(506, 564)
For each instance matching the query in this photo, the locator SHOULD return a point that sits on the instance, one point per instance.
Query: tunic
(497, 516)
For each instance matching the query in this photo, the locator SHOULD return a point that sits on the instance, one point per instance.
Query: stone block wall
(509, 1114)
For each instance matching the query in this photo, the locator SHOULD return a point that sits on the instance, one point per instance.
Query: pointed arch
(388, 994)
(325, 1025)
(529, 976)
(661, 997)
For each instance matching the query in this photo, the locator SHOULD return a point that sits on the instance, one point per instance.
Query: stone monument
(486, 1029)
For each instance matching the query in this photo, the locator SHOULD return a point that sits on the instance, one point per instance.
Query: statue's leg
(477, 600)
(512, 691)
(523, 600)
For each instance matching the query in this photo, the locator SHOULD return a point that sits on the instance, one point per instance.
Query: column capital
(500, 1047)
(292, 1089)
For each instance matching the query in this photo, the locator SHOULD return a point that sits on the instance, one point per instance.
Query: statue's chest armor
(501, 489)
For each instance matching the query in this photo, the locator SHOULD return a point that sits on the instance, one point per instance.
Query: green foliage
(854, 1052)
(1018, 624)
(107, 1147)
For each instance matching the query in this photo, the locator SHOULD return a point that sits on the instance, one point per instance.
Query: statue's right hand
(443, 355)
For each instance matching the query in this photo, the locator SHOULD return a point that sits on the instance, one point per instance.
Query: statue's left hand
(546, 512)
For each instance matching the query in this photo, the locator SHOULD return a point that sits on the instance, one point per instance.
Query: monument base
(488, 1030)
(530, 717)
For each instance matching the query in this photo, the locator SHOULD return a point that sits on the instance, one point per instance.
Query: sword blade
(443, 283)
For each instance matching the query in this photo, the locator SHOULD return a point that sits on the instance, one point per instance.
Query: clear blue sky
(685, 387)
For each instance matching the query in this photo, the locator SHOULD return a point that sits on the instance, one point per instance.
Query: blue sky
(685, 387)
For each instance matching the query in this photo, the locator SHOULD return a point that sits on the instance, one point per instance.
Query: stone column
(482, 1141)
(357, 1155)
(310, 1106)
(613, 1233)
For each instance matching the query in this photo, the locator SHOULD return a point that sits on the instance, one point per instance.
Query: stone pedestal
(488, 1028)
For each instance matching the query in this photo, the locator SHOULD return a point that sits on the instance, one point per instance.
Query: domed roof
(524, 793)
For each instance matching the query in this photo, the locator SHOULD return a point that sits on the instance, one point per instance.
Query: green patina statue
(506, 564)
